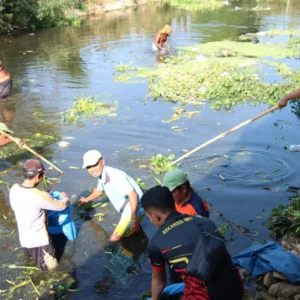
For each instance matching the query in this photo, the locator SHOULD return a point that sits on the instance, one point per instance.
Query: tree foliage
(32, 13)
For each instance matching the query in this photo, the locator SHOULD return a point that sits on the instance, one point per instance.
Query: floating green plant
(285, 219)
(87, 106)
(161, 163)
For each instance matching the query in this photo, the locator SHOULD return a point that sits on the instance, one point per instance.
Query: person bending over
(161, 39)
(30, 206)
(181, 240)
(123, 192)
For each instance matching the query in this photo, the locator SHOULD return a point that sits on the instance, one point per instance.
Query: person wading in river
(187, 201)
(123, 192)
(5, 82)
(4, 140)
(191, 246)
(161, 39)
(30, 206)
(291, 96)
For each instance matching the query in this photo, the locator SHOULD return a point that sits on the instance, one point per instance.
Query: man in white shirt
(30, 206)
(122, 190)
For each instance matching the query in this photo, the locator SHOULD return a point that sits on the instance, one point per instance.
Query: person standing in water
(5, 82)
(161, 39)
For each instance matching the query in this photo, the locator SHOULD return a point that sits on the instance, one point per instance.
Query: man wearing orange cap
(161, 39)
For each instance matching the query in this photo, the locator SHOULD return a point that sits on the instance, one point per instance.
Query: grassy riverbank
(34, 14)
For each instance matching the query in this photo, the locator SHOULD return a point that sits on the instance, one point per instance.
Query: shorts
(123, 227)
(43, 257)
(155, 48)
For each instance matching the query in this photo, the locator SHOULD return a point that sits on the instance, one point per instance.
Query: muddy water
(53, 66)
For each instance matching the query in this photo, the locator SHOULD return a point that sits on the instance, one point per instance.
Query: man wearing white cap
(122, 190)
(4, 140)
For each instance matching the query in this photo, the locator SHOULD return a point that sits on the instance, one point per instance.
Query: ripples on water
(52, 67)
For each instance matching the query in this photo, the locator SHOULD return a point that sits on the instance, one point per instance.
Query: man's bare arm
(158, 283)
(291, 96)
(94, 195)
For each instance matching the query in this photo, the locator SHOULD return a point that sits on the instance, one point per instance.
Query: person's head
(158, 203)
(178, 184)
(93, 162)
(167, 29)
(34, 171)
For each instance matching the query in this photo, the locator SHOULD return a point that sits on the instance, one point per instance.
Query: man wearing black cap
(30, 206)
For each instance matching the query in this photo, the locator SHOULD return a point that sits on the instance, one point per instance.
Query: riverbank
(43, 14)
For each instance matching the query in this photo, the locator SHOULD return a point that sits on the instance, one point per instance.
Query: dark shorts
(44, 257)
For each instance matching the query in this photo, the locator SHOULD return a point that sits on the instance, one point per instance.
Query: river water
(52, 66)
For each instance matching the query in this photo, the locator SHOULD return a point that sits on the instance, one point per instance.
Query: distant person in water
(161, 39)
(291, 96)
(4, 140)
(5, 82)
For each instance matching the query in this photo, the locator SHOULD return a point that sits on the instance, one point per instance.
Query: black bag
(207, 254)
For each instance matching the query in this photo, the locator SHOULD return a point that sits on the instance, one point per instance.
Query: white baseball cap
(90, 158)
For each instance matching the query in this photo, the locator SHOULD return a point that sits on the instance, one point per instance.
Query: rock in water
(269, 279)
(284, 289)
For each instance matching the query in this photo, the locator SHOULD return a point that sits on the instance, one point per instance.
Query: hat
(90, 158)
(166, 29)
(3, 127)
(33, 167)
(174, 178)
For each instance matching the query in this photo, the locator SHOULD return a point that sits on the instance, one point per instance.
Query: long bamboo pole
(224, 134)
(33, 152)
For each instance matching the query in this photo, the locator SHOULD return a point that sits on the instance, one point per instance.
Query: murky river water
(55, 65)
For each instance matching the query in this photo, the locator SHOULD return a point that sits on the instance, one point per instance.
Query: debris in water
(63, 144)
(223, 178)
(212, 161)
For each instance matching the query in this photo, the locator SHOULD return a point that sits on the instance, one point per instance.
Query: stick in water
(33, 152)
(224, 134)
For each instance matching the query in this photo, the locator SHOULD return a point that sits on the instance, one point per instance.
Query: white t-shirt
(117, 185)
(29, 205)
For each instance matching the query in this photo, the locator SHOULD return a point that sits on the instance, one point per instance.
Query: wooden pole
(224, 134)
(33, 152)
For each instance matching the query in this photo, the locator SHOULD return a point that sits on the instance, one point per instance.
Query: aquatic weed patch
(123, 68)
(88, 107)
(161, 163)
(221, 73)
(286, 219)
(196, 5)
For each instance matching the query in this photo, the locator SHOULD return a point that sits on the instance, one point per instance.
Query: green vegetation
(196, 5)
(141, 184)
(161, 163)
(36, 14)
(224, 73)
(87, 106)
(286, 219)
(123, 68)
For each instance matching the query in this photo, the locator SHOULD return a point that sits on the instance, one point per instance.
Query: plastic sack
(262, 258)
(61, 221)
